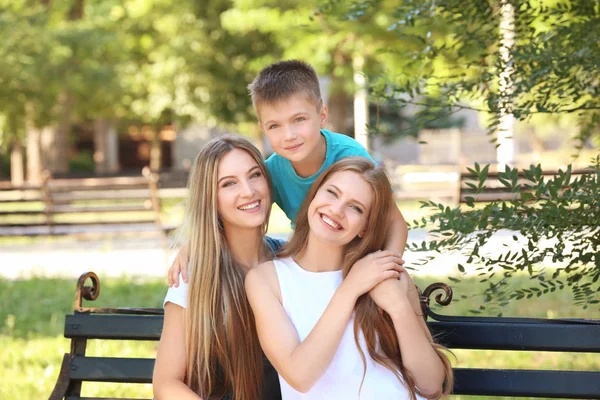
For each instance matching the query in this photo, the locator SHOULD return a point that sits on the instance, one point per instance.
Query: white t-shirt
(178, 295)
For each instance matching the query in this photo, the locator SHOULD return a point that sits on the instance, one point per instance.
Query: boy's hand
(371, 270)
(179, 266)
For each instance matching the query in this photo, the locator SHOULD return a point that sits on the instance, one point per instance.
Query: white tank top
(305, 295)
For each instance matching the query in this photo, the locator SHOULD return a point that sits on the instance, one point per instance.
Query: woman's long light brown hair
(222, 347)
(378, 329)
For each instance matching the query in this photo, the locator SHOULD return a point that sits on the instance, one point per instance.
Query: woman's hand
(392, 294)
(371, 270)
(179, 266)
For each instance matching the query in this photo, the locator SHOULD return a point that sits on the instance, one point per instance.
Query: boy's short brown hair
(283, 79)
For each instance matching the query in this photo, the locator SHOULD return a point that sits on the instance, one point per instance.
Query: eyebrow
(338, 189)
(231, 176)
(292, 117)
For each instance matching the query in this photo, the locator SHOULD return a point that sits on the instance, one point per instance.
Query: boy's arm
(397, 233)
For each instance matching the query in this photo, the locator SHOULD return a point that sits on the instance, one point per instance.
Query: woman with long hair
(335, 315)
(209, 346)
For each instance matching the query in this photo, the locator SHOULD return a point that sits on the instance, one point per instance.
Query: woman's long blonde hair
(222, 347)
(378, 329)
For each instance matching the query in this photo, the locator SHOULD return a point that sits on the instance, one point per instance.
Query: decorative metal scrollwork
(90, 293)
(425, 297)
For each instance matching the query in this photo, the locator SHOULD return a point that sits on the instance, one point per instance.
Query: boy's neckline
(311, 170)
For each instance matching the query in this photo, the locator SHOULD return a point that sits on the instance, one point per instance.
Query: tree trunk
(48, 147)
(339, 99)
(100, 133)
(505, 153)
(361, 103)
(66, 104)
(155, 150)
(338, 111)
(34, 160)
(17, 174)
(59, 151)
(106, 147)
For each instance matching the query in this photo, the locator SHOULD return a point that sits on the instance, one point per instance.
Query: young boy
(291, 113)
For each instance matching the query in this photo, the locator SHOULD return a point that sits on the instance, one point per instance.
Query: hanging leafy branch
(552, 221)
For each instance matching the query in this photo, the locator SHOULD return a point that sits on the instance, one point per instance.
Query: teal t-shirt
(289, 189)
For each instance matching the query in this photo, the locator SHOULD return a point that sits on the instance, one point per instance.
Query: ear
(323, 115)
(362, 233)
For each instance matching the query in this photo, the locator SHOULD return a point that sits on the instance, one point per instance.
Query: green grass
(31, 326)
(32, 321)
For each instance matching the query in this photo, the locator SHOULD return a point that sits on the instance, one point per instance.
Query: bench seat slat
(522, 383)
(109, 369)
(518, 336)
(117, 327)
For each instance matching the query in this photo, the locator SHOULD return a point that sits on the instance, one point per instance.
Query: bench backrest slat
(117, 327)
(522, 383)
(518, 336)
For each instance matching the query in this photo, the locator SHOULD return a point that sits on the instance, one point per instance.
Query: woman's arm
(169, 369)
(400, 300)
(301, 364)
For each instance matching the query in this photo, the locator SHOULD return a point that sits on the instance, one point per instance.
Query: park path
(145, 258)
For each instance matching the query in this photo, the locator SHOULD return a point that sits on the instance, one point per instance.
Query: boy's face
(293, 126)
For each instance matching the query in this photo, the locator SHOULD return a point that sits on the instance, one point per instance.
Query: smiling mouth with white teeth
(331, 222)
(250, 206)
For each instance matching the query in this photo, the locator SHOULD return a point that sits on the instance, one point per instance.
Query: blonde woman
(209, 347)
(316, 305)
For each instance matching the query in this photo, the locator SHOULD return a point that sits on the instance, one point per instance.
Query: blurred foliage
(152, 61)
(156, 61)
(453, 61)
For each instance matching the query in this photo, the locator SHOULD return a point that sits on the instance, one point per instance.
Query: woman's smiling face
(340, 209)
(243, 198)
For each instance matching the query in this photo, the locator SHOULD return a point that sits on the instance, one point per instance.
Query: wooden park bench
(83, 207)
(527, 334)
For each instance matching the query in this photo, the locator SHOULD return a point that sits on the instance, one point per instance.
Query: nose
(290, 134)
(246, 188)
(337, 209)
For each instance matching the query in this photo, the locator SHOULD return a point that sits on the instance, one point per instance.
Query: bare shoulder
(263, 278)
